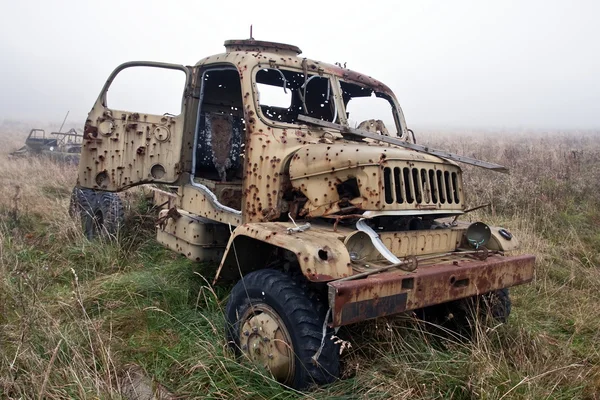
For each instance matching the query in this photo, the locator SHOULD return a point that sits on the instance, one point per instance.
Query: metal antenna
(64, 120)
(251, 38)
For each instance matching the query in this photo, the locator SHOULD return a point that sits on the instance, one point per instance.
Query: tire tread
(306, 313)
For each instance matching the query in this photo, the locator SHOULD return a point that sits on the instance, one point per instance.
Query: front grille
(420, 186)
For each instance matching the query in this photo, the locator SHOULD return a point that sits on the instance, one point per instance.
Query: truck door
(127, 148)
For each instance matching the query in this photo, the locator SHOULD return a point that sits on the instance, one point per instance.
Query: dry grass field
(77, 317)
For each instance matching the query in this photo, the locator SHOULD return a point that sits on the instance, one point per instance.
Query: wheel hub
(266, 341)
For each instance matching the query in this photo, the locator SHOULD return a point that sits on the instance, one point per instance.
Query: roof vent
(261, 46)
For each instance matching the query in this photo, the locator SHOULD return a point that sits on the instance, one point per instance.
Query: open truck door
(127, 148)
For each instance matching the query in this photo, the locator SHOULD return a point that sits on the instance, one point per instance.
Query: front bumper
(390, 293)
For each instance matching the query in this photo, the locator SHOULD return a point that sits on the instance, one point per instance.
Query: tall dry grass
(75, 316)
(44, 330)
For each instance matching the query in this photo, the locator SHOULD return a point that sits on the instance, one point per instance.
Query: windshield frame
(336, 94)
(396, 111)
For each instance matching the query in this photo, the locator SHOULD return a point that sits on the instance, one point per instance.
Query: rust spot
(89, 131)
(362, 299)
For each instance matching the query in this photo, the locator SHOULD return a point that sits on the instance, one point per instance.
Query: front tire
(497, 305)
(275, 322)
(462, 316)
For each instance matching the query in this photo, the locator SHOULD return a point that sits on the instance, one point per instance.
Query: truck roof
(248, 53)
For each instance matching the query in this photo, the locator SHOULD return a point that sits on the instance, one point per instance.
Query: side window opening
(369, 110)
(148, 90)
(220, 132)
(274, 97)
(283, 95)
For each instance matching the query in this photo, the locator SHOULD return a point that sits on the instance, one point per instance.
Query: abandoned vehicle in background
(57, 146)
(302, 180)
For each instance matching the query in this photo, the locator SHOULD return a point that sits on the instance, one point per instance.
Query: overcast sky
(504, 64)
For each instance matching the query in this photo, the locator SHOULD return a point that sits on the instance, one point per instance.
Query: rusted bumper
(398, 291)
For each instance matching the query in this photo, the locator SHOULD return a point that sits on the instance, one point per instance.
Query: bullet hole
(323, 255)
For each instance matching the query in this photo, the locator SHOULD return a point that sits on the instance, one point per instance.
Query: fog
(459, 64)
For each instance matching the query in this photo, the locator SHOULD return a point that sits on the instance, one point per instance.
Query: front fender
(320, 252)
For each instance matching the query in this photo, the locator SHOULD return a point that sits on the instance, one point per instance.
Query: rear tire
(101, 213)
(294, 329)
(81, 199)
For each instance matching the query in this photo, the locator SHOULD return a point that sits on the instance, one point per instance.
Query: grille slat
(441, 190)
(408, 186)
(420, 186)
(433, 184)
(447, 185)
(398, 185)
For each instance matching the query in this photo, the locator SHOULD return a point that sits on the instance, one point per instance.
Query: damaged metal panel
(120, 155)
(198, 202)
(196, 238)
(398, 291)
(163, 199)
(122, 148)
(319, 251)
(403, 143)
(414, 182)
(406, 243)
(501, 239)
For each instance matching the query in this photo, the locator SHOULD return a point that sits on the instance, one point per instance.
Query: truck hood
(317, 159)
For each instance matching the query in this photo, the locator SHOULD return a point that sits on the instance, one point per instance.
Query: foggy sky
(505, 64)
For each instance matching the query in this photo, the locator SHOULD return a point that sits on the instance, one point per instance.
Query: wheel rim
(266, 341)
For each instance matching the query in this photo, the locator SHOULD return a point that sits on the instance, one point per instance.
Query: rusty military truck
(302, 183)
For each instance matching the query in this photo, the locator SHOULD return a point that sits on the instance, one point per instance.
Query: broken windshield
(369, 110)
(283, 95)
